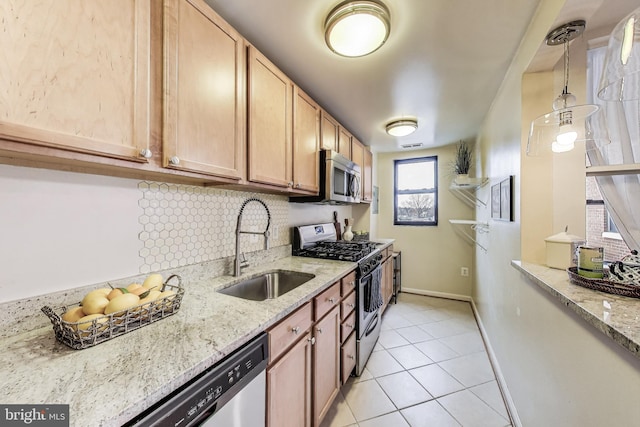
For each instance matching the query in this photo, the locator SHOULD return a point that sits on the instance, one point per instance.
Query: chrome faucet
(238, 264)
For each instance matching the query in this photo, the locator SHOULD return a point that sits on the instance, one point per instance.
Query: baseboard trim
(502, 384)
(436, 294)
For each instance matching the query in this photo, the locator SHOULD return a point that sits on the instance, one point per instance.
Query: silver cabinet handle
(296, 330)
(349, 326)
(175, 160)
(312, 340)
(146, 153)
(319, 330)
(290, 183)
(351, 356)
(351, 305)
(353, 283)
(298, 185)
(331, 300)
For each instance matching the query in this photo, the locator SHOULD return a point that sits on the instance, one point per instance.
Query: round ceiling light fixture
(402, 127)
(357, 28)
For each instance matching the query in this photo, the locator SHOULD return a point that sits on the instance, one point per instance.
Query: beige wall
(559, 370)
(431, 256)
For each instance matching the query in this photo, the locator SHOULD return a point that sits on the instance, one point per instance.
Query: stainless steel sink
(269, 285)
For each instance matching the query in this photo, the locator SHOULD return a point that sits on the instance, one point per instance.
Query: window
(416, 191)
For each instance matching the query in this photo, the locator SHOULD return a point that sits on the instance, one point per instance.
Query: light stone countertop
(616, 316)
(110, 383)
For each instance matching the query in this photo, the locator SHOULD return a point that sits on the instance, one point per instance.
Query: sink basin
(269, 285)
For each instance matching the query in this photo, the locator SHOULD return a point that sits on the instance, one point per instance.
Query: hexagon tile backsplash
(183, 224)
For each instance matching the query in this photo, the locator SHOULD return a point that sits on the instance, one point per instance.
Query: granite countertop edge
(618, 317)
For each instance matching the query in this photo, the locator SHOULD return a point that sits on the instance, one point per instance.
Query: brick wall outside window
(597, 224)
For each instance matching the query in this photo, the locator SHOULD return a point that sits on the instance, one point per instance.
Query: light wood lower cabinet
(77, 76)
(348, 357)
(289, 387)
(306, 361)
(326, 363)
(204, 91)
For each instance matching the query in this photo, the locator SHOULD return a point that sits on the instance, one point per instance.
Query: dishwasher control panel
(210, 391)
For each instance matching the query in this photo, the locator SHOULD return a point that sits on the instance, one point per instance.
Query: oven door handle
(372, 326)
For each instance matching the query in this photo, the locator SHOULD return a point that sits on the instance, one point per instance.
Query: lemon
(121, 303)
(115, 292)
(86, 322)
(73, 314)
(94, 303)
(153, 281)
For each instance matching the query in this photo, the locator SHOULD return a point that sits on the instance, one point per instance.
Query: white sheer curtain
(621, 193)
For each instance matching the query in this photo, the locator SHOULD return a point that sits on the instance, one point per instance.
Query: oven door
(369, 299)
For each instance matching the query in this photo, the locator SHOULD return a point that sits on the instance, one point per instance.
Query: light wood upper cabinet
(270, 128)
(344, 143)
(204, 91)
(306, 142)
(76, 78)
(329, 132)
(367, 177)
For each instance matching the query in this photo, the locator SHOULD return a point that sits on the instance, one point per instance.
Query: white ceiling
(443, 62)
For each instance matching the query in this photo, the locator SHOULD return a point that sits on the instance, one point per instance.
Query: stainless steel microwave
(339, 181)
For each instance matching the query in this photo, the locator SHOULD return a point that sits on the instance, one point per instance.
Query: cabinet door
(326, 364)
(329, 132)
(357, 156)
(289, 387)
(306, 141)
(367, 176)
(344, 143)
(270, 113)
(348, 357)
(204, 94)
(75, 75)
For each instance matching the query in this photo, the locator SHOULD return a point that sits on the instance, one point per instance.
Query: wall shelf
(467, 192)
(477, 226)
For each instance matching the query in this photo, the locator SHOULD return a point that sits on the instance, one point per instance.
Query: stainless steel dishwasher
(232, 393)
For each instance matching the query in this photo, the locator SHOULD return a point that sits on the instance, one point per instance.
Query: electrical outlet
(464, 271)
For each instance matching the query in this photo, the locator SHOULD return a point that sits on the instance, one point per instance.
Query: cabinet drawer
(348, 283)
(348, 357)
(347, 306)
(327, 300)
(347, 326)
(289, 330)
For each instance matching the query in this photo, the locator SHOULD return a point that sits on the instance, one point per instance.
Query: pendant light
(357, 28)
(402, 127)
(621, 73)
(568, 123)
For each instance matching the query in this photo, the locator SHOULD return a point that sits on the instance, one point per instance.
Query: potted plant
(462, 163)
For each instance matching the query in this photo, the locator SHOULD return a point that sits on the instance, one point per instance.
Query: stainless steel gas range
(320, 241)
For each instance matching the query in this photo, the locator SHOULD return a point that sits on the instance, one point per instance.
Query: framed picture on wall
(502, 200)
(495, 201)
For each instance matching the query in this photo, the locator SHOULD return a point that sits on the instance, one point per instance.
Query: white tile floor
(429, 368)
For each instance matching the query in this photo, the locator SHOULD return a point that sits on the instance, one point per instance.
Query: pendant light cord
(566, 67)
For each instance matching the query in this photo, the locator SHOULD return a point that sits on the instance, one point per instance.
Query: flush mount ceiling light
(568, 123)
(402, 127)
(357, 28)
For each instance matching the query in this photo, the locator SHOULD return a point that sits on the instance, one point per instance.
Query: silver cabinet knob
(319, 330)
(312, 340)
(349, 326)
(331, 300)
(351, 356)
(296, 330)
(298, 185)
(290, 184)
(351, 305)
(175, 161)
(146, 153)
(352, 283)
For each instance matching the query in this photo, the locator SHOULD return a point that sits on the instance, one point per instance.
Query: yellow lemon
(94, 303)
(153, 281)
(121, 303)
(73, 314)
(87, 322)
(115, 292)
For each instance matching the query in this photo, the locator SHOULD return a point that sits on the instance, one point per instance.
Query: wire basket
(109, 326)
(603, 285)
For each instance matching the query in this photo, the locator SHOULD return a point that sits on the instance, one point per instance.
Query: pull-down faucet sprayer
(237, 263)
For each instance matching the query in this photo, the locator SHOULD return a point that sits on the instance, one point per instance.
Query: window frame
(434, 190)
